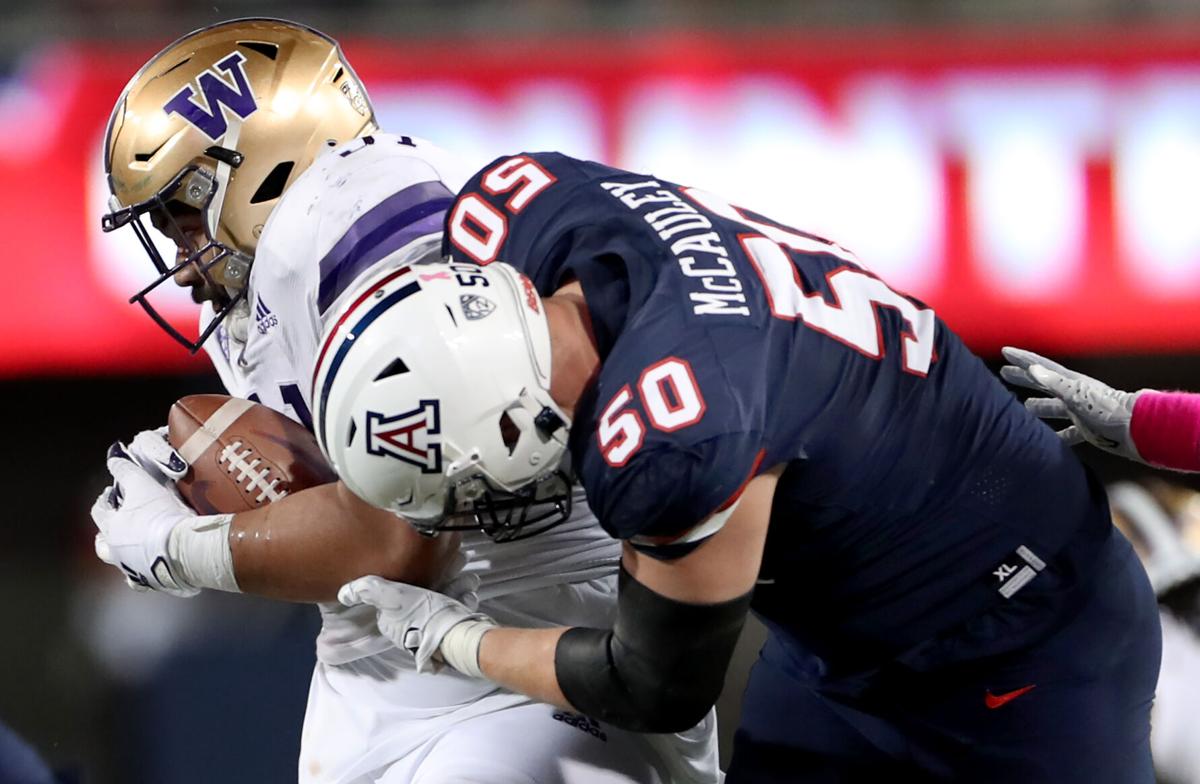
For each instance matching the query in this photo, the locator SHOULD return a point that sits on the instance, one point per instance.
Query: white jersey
(1175, 740)
(380, 201)
(360, 206)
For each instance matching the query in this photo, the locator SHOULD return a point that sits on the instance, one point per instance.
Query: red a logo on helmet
(412, 436)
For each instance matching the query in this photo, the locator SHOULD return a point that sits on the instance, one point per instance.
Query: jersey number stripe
(669, 396)
(620, 433)
(523, 176)
(853, 318)
(477, 228)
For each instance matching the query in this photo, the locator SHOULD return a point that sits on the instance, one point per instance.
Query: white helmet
(431, 398)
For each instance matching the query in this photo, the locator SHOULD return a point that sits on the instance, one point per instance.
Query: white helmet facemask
(431, 398)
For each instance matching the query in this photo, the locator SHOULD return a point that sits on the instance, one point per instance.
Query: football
(242, 455)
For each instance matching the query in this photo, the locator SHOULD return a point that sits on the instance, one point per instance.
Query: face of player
(184, 226)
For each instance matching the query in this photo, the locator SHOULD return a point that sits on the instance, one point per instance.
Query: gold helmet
(222, 121)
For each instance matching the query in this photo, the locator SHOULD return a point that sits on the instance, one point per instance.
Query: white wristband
(460, 646)
(199, 552)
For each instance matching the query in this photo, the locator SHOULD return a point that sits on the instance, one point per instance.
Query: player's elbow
(675, 707)
(406, 556)
(390, 547)
(646, 690)
(659, 669)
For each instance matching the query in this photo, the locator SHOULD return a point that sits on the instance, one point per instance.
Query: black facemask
(193, 188)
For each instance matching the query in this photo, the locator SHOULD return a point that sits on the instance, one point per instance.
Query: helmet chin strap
(229, 159)
(224, 170)
(238, 319)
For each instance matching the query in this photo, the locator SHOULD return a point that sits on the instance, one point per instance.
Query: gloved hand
(1098, 413)
(151, 450)
(136, 514)
(420, 620)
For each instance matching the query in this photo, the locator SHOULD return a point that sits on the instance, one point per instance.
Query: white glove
(1099, 414)
(430, 625)
(151, 450)
(135, 516)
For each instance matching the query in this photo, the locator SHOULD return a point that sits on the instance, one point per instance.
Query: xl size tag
(1015, 571)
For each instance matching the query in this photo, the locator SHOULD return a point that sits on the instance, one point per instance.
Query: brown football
(242, 455)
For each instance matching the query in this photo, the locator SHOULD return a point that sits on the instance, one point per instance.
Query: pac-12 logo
(475, 307)
(231, 91)
(411, 436)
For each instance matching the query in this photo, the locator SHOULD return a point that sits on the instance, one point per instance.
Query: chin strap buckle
(225, 155)
(548, 421)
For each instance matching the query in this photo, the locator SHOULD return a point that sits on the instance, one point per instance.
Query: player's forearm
(305, 546)
(1165, 428)
(522, 660)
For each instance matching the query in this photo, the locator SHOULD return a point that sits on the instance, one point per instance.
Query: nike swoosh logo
(1107, 443)
(994, 701)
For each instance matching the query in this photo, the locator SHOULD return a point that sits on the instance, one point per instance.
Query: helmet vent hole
(509, 433)
(142, 157)
(350, 436)
(338, 75)
(265, 49)
(272, 184)
(395, 368)
(179, 64)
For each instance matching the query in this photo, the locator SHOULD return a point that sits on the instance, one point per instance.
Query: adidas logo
(223, 340)
(264, 319)
(582, 723)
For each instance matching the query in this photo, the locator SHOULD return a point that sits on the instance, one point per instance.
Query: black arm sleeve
(659, 669)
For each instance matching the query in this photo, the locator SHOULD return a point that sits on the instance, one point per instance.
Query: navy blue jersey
(916, 489)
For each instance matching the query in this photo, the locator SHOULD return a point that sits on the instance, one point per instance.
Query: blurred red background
(1038, 190)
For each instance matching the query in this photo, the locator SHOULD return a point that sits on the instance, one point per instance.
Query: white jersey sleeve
(378, 200)
(373, 201)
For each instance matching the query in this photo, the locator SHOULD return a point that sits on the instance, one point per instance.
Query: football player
(1161, 429)
(763, 424)
(1158, 428)
(252, 145)
(1147, 517)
